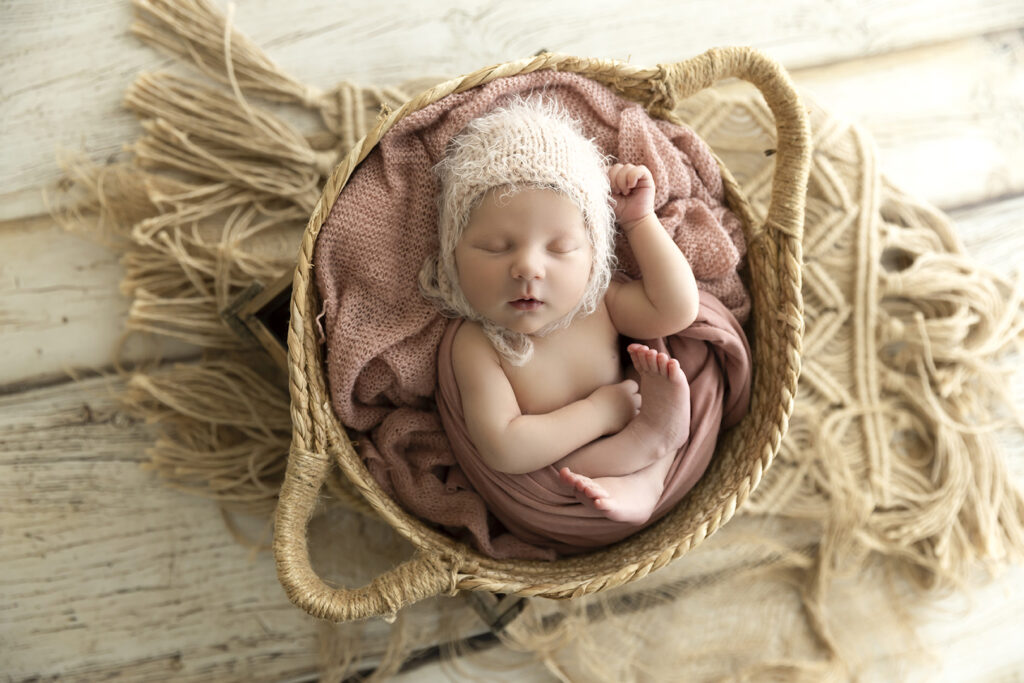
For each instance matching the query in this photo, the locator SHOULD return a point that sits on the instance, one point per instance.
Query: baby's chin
(530, 330)
(527, 327)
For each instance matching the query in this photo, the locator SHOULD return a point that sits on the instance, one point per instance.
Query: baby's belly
(549, 383)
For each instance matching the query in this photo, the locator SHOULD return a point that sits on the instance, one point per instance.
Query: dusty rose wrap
(382, 336)
(540, 509)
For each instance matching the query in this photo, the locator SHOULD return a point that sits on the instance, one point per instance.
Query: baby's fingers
(639, 176)
(624, 178)
(620, 178)
(615, 177)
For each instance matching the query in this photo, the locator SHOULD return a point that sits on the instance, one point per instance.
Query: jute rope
(774, 261)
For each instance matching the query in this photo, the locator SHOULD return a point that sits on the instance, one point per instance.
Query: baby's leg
(630, 498)
(658, 431)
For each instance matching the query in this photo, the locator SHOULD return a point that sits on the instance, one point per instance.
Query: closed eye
(562, 247)
(492, 248)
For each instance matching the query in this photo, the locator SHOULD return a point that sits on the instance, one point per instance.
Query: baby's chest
(561, 373)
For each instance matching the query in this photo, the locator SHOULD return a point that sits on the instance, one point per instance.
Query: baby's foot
(630, 498)
(663, 423)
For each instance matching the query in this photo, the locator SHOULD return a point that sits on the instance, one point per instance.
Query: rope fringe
(226, 429)
(215, 196)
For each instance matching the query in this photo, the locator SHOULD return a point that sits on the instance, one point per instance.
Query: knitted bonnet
(530, 143)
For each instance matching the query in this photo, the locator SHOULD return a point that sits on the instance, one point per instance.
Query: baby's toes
(633, 350)
(569, 477)
(595, 491)
(652, 361)
(640, 356)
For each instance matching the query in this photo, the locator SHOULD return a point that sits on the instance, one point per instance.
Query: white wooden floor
(106, 573)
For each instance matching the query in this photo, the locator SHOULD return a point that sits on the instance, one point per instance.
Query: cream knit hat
(528, 143)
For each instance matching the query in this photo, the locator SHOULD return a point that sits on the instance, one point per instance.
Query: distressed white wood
(994, 233)
(948, 119)
(104, 572)
(64, 65)
(61, 311)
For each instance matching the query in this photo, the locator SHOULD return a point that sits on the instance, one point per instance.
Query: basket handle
(419, 578)
(425, 576)
(677, 81)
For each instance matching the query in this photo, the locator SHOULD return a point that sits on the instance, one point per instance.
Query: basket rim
(471, 569)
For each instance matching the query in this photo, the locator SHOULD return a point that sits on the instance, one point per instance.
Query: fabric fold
(542, 510)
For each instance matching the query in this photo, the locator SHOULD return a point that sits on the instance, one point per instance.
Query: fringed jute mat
(891, 463)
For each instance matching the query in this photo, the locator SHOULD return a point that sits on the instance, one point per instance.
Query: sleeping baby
(528, 210)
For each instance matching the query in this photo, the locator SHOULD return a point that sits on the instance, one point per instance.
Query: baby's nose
(528, 265)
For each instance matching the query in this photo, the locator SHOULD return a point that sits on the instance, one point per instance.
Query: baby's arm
(511, 442)
(665, 300)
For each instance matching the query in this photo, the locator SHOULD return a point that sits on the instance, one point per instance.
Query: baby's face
(524, 260)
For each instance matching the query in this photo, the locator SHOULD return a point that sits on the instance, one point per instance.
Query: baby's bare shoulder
(473, 355)
(469, 337)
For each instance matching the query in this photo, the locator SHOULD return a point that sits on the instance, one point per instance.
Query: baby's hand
(617, 404)
(633, 192)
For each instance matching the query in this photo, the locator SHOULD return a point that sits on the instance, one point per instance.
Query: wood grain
(70, 97)
(107, 573)
(106, 570)
(61, 310)
(948, 119)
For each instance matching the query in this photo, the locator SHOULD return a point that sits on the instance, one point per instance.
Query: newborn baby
(527, 234)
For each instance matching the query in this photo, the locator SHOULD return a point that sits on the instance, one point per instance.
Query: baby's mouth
(526, 303)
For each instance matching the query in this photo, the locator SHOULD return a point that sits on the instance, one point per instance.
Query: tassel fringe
(215, 196)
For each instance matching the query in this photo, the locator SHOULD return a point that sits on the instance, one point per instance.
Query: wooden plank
(948, 119)
(976, 635)
(108, 572)
(70, 97)
(405, 39)
(60, 307)
(994, 234)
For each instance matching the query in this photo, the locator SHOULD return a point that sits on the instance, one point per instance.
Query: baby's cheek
(478, 282)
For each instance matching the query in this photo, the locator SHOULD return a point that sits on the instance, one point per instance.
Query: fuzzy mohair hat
(530, 143)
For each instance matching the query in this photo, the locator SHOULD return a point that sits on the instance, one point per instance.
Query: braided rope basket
(443, 565)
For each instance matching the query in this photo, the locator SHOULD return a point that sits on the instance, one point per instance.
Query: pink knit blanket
(382, 337)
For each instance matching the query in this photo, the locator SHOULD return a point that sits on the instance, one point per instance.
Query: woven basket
(443, 565)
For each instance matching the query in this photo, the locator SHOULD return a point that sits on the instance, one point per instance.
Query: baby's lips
(526, 303)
